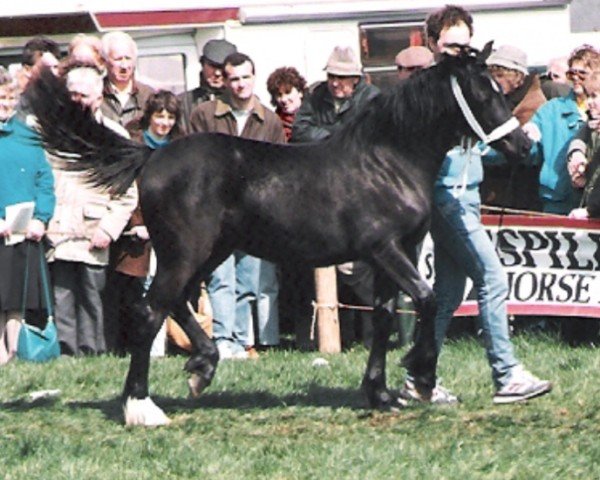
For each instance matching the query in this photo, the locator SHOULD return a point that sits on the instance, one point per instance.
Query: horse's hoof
(197, 384)
(384, 401)
(391, 404)
(395, 404)
(423, 371)
(144, 412)
(202, 370)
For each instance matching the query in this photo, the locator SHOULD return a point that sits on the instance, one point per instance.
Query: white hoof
(144, 412)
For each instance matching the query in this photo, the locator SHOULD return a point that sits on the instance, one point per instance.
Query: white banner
(552, 265)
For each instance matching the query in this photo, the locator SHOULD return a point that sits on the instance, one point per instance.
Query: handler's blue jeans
(463, 249)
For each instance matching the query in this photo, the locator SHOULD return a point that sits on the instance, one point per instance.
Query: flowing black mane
(404, 110)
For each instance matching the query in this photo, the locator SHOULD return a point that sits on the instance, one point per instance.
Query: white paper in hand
(17, 219)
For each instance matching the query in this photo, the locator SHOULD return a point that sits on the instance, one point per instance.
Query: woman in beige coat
(86, 221)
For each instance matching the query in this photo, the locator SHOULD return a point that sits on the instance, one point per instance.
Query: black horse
(363, 194)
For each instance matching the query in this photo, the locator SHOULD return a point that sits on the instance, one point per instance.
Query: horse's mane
(405, 109)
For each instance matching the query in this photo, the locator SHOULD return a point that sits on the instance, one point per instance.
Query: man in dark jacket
(212, 81)
(331, 102)
(322, 113)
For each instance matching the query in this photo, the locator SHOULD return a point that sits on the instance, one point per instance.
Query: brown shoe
(251, 353)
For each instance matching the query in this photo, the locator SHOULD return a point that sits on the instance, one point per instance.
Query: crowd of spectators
(99, 250)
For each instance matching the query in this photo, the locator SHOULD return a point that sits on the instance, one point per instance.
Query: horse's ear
(485, 53)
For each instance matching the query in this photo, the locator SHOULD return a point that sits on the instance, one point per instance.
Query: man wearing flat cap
(413, 59)
(212, 84)
(322, 113)
(331, 102)
(523, 93)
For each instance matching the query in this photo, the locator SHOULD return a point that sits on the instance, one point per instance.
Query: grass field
(282, 418)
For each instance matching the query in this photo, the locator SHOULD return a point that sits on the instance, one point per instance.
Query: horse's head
(486, 114)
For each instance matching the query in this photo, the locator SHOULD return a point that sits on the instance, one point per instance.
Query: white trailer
(295, 33)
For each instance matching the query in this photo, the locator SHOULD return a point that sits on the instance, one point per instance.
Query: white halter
(511, 124)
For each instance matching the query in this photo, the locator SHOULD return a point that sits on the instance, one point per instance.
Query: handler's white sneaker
(521, 386)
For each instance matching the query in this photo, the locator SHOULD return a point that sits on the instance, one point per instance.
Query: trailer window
(379, 45)
(164, 72)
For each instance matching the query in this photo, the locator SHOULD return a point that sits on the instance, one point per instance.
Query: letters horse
(365, 194)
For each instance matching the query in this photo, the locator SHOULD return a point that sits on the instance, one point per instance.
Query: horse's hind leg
(374, 382)
(202, 363)
(148, 315)
(421, 360)
(138, 408)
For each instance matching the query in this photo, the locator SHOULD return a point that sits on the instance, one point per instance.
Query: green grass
(282, 418)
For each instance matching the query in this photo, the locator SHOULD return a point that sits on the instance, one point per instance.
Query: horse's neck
(430, 145)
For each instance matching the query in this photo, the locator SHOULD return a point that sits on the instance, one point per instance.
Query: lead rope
(460, 187)
(511, 124)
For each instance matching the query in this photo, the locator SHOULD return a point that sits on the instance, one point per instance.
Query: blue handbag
(35, 344)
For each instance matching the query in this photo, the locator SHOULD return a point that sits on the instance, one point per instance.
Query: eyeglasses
(576, 72)
(553, 76)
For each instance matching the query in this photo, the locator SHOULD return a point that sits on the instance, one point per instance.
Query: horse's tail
(72, 133)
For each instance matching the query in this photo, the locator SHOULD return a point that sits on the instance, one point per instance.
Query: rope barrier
(516, 211)
(332, 306)
(316, 306)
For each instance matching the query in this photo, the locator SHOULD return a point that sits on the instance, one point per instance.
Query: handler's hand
(100, 240)
(4, 230)
(35, 230)
(141, 232)
(532, 131)
(579, 214)
(576, 166)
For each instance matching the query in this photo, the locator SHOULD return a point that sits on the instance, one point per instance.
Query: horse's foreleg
(203, 362)
(421, 360)
(139, 409)
(374, 383)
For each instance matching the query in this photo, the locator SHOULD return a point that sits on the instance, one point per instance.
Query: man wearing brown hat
(322, 113)
(413, 59)
(212, 83)
(333, 101)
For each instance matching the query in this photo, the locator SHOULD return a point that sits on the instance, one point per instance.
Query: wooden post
(327, 310)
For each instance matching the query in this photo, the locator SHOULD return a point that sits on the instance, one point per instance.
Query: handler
(462, 248)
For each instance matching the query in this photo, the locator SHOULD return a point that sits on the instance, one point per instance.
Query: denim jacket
(460, 175)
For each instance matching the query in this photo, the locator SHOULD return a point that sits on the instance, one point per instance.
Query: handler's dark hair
(446, 17)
